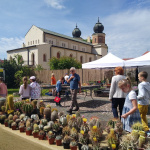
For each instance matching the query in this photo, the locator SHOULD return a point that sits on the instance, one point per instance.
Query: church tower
(98, 40)
(76, 33)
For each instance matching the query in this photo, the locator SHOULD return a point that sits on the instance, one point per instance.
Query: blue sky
(126, 22)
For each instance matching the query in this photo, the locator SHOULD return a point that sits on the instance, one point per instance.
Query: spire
(76, 25)
(98, 19)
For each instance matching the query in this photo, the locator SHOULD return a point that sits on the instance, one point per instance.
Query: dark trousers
(115, 103)
(74, 98)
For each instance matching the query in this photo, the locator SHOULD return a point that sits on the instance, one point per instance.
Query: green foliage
(19, 59)
(64, 63)
(38, 68)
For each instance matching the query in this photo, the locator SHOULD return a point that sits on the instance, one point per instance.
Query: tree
(19, 59)
(64, 63)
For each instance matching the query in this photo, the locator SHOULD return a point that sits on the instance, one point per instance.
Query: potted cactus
(14, 126)
(58, 140)
(9, 123)
(21, 127)
(51, 137)
(41, 135)
(66, 142)
(6, 122)
(73, 145)
(35, 131)
(28, 128)
(84, 147)
(3, 117)
(56, 128)
(27, 109)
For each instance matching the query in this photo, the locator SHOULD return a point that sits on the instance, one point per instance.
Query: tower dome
(98, 28)
(76, 33)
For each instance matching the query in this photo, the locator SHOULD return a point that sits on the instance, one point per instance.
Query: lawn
(11, 91)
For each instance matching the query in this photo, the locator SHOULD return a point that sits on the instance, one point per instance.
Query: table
(67, 88)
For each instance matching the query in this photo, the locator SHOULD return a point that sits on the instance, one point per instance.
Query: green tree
(64, 63)
(19, 59)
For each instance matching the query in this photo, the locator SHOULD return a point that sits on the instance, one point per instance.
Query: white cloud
(9, 44)
(57, 4)
(128, 33)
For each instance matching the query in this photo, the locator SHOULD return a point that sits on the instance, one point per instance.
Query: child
(143, 98)
(130, 113)
(58, 89)
(25, 89)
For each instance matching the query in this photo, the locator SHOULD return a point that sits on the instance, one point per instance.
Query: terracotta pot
(13, 127)
(51, 141)
(41, 137)
(29, 132)
(58, 142)
(36, 134)
(66, 145)
(6, 124)
(73, 147)
(21, 129)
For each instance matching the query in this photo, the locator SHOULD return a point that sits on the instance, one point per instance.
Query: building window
(81, 59)
(83, 49)
(28, 43)
(95, 40)
(90, 59)
(63, 44)
(44, 57)
(52, 42)
(31, 42)
(32, 59)
(100, 39)
(58, 55)
(38, 41)
(74, 47)
(71, 55)
(10, 58)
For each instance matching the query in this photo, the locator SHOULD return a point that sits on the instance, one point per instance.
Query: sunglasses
(71, 70)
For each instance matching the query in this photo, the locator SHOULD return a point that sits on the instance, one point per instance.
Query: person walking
(116, 95)
(53, 79)
(74, 80)
(143, 98)
(25, 89)
(3, 88)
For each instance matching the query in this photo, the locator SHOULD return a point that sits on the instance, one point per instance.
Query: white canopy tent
(143, 60)
(107, 61)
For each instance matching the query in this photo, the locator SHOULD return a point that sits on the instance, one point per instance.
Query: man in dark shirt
(74, 80)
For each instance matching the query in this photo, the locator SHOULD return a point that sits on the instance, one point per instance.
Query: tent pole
(137, 70)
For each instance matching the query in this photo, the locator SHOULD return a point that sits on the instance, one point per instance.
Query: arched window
(71, 55)
(10, 58)
(38, 41)
(58, 55)
(28, 43)
(32, 58)
(90, 59)
(44, 57)
(33, 42)
(95, 40)
(81, 59)
(100, 39)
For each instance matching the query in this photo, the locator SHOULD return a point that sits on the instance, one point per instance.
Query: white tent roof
(107, 61)
(139, 61)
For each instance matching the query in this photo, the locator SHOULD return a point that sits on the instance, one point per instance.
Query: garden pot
(51, 141)
(58, 142)
(73, 147)
(6, 124)
(79, 146)
(29, 132)
(66, 145)
(36, 134)
(14, 127)
(21, 129)
(41, 137)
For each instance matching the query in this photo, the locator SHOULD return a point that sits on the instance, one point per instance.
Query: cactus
(50, 135)
(85, 127)
(46, 128)
(15, 117)
(18, 104)
(6, 121)
(42, 110)
(79, 122)
(3, 108)
(10, 117)
(84, 147)
(34, 103)
(83, 138)
(54, 115)
(47, 113)
(66, 131)
(138, 126)
(56, 127)
(74, 134)
(28, 124)
(66, 139)
(50, 124)
(60, 114)
(13, 124)
(22, 116)
(73, 143)
(135, 135)
(44, 122)
(78, 114)
(41, 133)
(3, 117)
(10, 102)
(10, 122)
(27, 108)
(48, 106)
(141, 141)
(17, 113)
(63, 120)
(58, 137)
(54, 109)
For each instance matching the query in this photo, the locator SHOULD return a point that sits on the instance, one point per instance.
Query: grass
(11, 91)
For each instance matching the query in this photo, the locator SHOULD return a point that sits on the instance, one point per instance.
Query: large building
(41, 45)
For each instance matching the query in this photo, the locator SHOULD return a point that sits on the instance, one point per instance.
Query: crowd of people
(133, 108)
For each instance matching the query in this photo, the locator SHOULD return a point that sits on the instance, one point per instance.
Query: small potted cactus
(28, 130)
(21, 127)
(73, 145)
(41, 135)
(9, 123)
(14, 126)
(3, 117)
(51, 137)
(58, 140)
(6, 122)
(66, 142)
(35, 131)
(56, 128)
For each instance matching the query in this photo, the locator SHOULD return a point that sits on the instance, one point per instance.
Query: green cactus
(10, 102)
(58, 137)
(27, 108)
(18, 104)
(50, 135)
(73, 143)
(84, 147)
(66, 139)
(3, 108)
(10, 117)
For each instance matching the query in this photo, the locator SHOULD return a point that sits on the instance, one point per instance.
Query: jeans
(115, 103)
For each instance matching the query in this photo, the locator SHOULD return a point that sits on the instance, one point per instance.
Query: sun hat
(32, 77)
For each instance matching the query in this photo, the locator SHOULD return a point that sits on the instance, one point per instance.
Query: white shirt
(25, 93)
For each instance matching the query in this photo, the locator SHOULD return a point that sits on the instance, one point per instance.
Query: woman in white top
(116, 95)
(25, 89)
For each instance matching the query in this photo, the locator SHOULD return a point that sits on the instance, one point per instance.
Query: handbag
(57, 99)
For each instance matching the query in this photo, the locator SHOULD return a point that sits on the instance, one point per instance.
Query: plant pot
(6, 124)
(28, 132)
(14, 127)
(2, 121)
(58, 142)
(21, 129)
(79, 146)
(41, 137)
(66, 145)
(51, 141)
(73, 147)
(36, 134)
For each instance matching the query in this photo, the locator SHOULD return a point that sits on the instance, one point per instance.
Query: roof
(146, 52)
(127, 58)
(1, 61)
(21, 48)
(64, 36)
